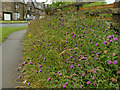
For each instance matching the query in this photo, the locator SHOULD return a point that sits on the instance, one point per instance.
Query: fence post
(116, 17)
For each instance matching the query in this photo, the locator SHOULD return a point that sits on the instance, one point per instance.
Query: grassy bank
(70, 51)
(8, 30)
(13, 21)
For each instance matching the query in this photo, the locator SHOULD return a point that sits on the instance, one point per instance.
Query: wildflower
(40, 70)
(21, 64)
(92, 51)
(64, 86)
(28, 83)
(75, 44)
(79, 65)
(88, 82)
(67, 59)
(70, 56)
(65, 48)
(36, 71)
(96, 44)
(48, 79)
(93, 77)
(80, 45)
(37, 56)
(19, 76)
(59, 84)
(97, 53)
(73, 58)
(114, 54)
(27, 58)
(114, 62)
(109, 62)
(106, 29)
(66, 83)
(71, 66)
(95, 58)
(83, 74)
(24, 62)
(111, 36)
(66, 41)
(58, 71)
(115, 39)
(105, 42)
(110, 40)
(40, 65)
(60, 74)
(30, 63)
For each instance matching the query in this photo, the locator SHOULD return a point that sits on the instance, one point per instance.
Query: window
(16, 6)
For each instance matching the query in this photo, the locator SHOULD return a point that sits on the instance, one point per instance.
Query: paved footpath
(11, 58)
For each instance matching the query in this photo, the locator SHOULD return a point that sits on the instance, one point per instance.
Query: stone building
(19, 10)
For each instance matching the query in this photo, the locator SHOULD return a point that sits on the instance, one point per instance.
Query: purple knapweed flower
(97, 53)
(40, 65)
(48, 79)
(96, 44)
(19, 76)
(66, 83)
(40, 70)
(91, 43)
(76, 45)
(105, 42)
(110, 40)
(78, 65)
(114, 54)
(83, 74)
(66, 32)
(58, 71)
(39, 62)
(60, 74)
(115, 39)
(25, 62)
(106, 29)
(66, 41)
(67, 62)
(108, 37)
(30, 62)
(37, 56)
(73, 58)
(73, 51)
(111, 36)
(64, 86)
(95, 58)
(67, 59)
(71, 66)
(28, 83)
(88, 82)
(109, 62)
(65, 48)
(93, 77)
(27, 58)
(92, 51)
(114, 62)
(80, 45)
(70, 56)
(36, 71)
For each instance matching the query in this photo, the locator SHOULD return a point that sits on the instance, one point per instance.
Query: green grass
(93, 4)
(13, 21)
(72, 48)
(8, 30)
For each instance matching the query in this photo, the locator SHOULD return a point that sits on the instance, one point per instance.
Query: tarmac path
(11, 57)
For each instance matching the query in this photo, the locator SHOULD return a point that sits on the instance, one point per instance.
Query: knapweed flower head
(114, 54)
(25, 62)
(88, 82)
(30, 62)
(66, 83)
(106, 29)
(83, 74)
(96, 44)
(28, 84)
(115, 39)
(73, 51)
(114, 62)
(71, 66)
(40, 65)
(36, 71)
(78, 65)
(60, 74)
(109, 62)
(64, 86)
(92, 51)
(105, 42)
(48, 79)
(40, 70)
(19, 76)
(70, 56)
(58, 71)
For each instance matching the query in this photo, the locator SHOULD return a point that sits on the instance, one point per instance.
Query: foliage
(70, 51)
(94, 4)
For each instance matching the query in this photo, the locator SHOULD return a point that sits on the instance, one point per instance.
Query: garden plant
(70, 51)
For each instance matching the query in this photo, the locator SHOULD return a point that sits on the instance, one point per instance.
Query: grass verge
(70, 51)
(13, 21)
(8, 30)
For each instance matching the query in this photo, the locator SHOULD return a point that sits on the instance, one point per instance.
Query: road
(14, 25)
(11, 58)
